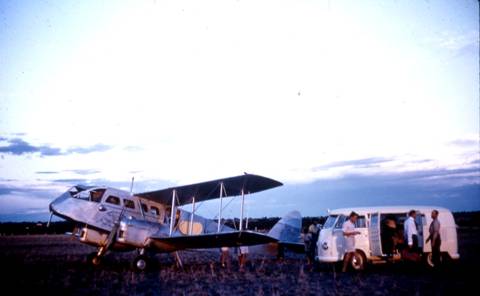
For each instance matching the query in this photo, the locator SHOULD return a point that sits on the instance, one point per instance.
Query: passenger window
(361, 222)
(154, 211)
(340, 221)
(113, 200)
(144, 208)
(129, 203)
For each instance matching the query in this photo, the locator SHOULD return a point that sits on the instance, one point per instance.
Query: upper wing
(214, 240)
(211, 189)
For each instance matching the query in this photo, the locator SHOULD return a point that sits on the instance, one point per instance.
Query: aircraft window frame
(157, 211)
(107, 200)
(128, 203)
(341, 219)
(330, 222)
(82, 195)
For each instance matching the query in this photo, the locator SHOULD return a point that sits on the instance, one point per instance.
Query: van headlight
(325, 246)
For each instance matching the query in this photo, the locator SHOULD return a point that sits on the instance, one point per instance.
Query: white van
(368, 243)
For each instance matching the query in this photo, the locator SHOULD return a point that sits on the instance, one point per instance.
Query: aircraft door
(375, 236)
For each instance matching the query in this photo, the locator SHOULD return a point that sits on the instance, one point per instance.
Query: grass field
(55, 264)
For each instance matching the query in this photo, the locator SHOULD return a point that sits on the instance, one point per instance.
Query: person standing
(349, 233)
(308, 241)
(225, 257)
(435, 239)
(410, 231)
(242, 257)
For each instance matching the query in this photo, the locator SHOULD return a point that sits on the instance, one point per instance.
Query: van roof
(393, 209)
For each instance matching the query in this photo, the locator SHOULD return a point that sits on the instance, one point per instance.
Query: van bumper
(328, 259)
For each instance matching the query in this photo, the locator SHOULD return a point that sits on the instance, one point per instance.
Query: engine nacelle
(92, 236)
(136, 232)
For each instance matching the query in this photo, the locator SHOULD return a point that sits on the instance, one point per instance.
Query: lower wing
(213, 240)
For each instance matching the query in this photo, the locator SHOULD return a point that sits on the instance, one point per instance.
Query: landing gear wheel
(358, 261)
(93, 259)
(140, 263)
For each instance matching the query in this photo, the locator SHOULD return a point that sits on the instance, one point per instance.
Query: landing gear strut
(93, 259)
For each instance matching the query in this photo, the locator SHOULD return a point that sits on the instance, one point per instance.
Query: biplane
(156, 221)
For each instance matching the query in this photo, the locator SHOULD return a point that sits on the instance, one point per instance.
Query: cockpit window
(144, 208)
(330, 221)
(96, 195)
(129, 203)
(113, 200)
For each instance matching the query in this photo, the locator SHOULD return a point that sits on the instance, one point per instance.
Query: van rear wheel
(358, 261)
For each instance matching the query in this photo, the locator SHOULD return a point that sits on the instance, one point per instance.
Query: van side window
(154, 211)
(113, 200)
(361, 222)
(129, 203)
(340, 221)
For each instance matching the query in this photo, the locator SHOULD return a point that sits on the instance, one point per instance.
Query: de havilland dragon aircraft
(150, 222)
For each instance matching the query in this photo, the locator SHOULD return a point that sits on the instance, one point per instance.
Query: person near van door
(349, 233)
(410, 231)
(308, 242)
(388, 235)
(435, 239)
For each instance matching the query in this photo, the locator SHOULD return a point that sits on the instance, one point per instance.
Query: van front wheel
(358, 261)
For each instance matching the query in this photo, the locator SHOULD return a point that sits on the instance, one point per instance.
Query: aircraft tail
(288, 229)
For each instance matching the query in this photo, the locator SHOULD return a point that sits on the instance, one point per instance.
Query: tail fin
(288, 229)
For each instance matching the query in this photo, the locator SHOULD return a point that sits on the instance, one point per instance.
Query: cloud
(85, 150)
(456, 42)
(360, 163)
(133, 148)
(464, 142)
(17, 146)
(72, 181)
(47, 172)
(83, 171)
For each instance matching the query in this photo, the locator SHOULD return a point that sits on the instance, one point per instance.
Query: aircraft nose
(55, 204)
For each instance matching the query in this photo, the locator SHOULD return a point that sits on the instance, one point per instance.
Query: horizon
(346, 103)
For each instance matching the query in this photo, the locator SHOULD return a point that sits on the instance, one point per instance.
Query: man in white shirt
(349, 233)
(410, 231)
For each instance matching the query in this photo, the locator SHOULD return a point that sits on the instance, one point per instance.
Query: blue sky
(346, 102)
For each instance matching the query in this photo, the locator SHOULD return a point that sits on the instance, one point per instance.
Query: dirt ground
(55, 264)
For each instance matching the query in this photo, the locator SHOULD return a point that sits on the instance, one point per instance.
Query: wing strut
(241, 210)
(190, 228)
(172, 211)
(220, 207)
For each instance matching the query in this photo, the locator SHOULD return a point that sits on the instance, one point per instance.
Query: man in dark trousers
(435, 239)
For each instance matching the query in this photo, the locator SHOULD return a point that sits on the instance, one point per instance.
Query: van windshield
(330, 221)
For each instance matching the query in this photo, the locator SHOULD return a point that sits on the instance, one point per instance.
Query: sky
(348, 103)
